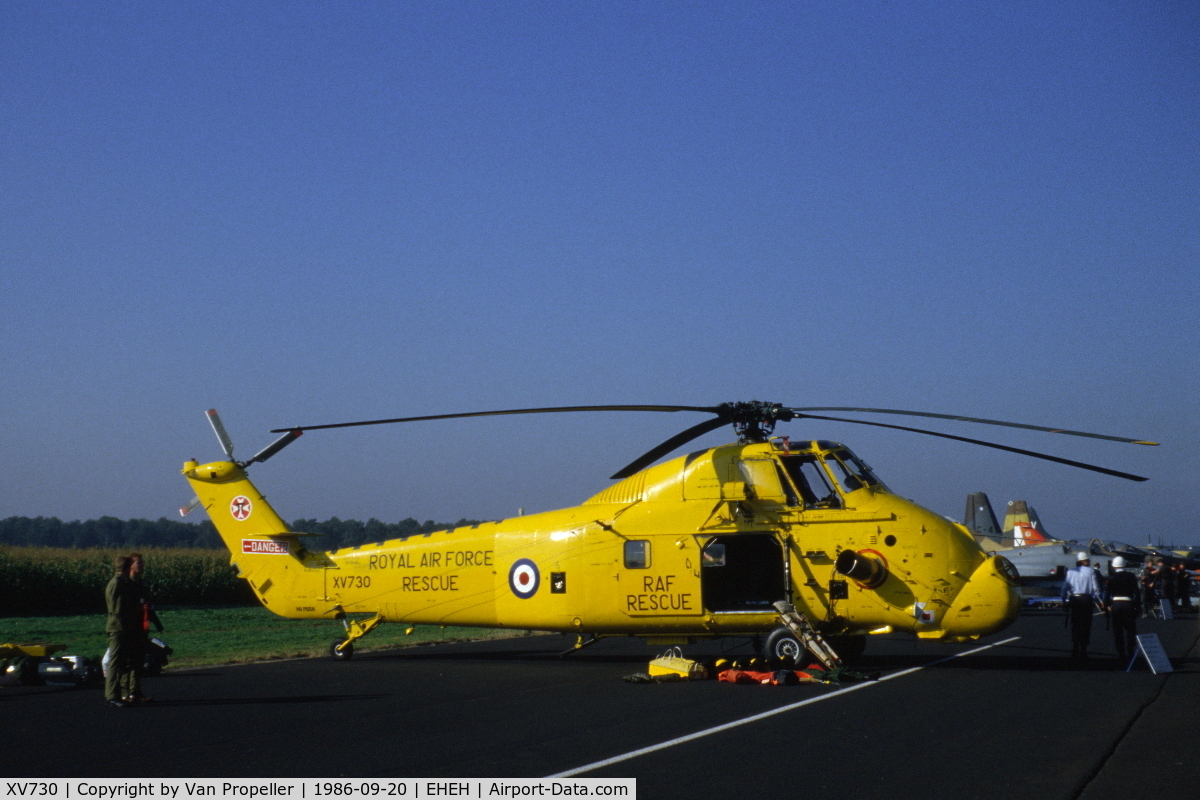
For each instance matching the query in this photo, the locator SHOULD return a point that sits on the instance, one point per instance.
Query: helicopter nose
(988, 602)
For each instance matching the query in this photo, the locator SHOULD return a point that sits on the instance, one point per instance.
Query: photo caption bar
(312, 788)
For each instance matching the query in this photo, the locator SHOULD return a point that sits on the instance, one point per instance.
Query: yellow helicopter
(699, 547)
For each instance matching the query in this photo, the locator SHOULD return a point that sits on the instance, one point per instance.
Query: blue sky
(302, 213)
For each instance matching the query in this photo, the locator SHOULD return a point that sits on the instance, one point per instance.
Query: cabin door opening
(742, 572)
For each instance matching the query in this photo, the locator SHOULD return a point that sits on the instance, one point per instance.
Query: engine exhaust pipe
(870, 572)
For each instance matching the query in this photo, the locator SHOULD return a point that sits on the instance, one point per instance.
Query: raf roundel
(240, 507)
(524, 578)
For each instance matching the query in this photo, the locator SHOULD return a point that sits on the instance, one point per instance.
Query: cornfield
(41, 580)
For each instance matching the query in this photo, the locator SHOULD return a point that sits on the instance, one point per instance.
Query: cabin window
(637, 555)
(764, 478)
(713, 554)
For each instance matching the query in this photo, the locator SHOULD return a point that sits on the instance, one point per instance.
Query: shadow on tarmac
(1051, 659)
(551, 655)
(254, 701)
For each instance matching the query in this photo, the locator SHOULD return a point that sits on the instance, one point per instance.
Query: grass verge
(229, 635)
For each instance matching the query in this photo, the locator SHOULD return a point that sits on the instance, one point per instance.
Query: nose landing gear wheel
(341, 649)
(783, 646)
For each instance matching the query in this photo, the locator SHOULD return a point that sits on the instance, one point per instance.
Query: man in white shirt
(1080, 590)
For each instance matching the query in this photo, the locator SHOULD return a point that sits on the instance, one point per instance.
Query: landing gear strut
(343, 649)
(797, 633)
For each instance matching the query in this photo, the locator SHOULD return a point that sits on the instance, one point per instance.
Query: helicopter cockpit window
(861, 469)
(637, 555)
(850, 472)
(810, 481)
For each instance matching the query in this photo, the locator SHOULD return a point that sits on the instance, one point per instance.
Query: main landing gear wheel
(782, 645)
(341, 649)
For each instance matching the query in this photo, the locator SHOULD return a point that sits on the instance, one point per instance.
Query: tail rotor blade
(218, 427)
(190, 507)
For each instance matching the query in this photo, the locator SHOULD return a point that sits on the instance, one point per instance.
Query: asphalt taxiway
(1008, 716)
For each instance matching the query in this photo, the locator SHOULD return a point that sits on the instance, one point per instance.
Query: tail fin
(266, 553)
(261, 545)
(1024, 534)
(1036, 522)
(981, 520)
(1022, 524)
(234, 504)
(1017, 511)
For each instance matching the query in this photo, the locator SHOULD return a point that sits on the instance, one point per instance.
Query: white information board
(1152, 649)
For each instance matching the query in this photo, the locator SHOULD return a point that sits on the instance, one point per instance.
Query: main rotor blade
(1042, 456)
(275, 446)
(676, 441)
(219, 429)
(554, 410)
(975, 419)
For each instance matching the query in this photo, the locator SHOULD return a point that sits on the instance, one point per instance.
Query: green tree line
(110, 532)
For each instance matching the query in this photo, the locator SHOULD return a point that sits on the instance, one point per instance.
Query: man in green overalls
(125, 635)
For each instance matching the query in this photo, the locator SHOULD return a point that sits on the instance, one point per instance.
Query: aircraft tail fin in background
(980, 520)
(1017, 511)
(1021, 524)
(1024, 533)
(1036, 522)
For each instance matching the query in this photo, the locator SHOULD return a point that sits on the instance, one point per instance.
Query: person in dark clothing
(137, 567)
(1149, 594)
(1101, 578)
(149, 617)
(124, 629)
(1124, 601)
(1183, 587)
(130, 613)
(1165, 584)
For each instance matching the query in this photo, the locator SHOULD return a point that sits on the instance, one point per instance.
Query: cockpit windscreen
(851, 473)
